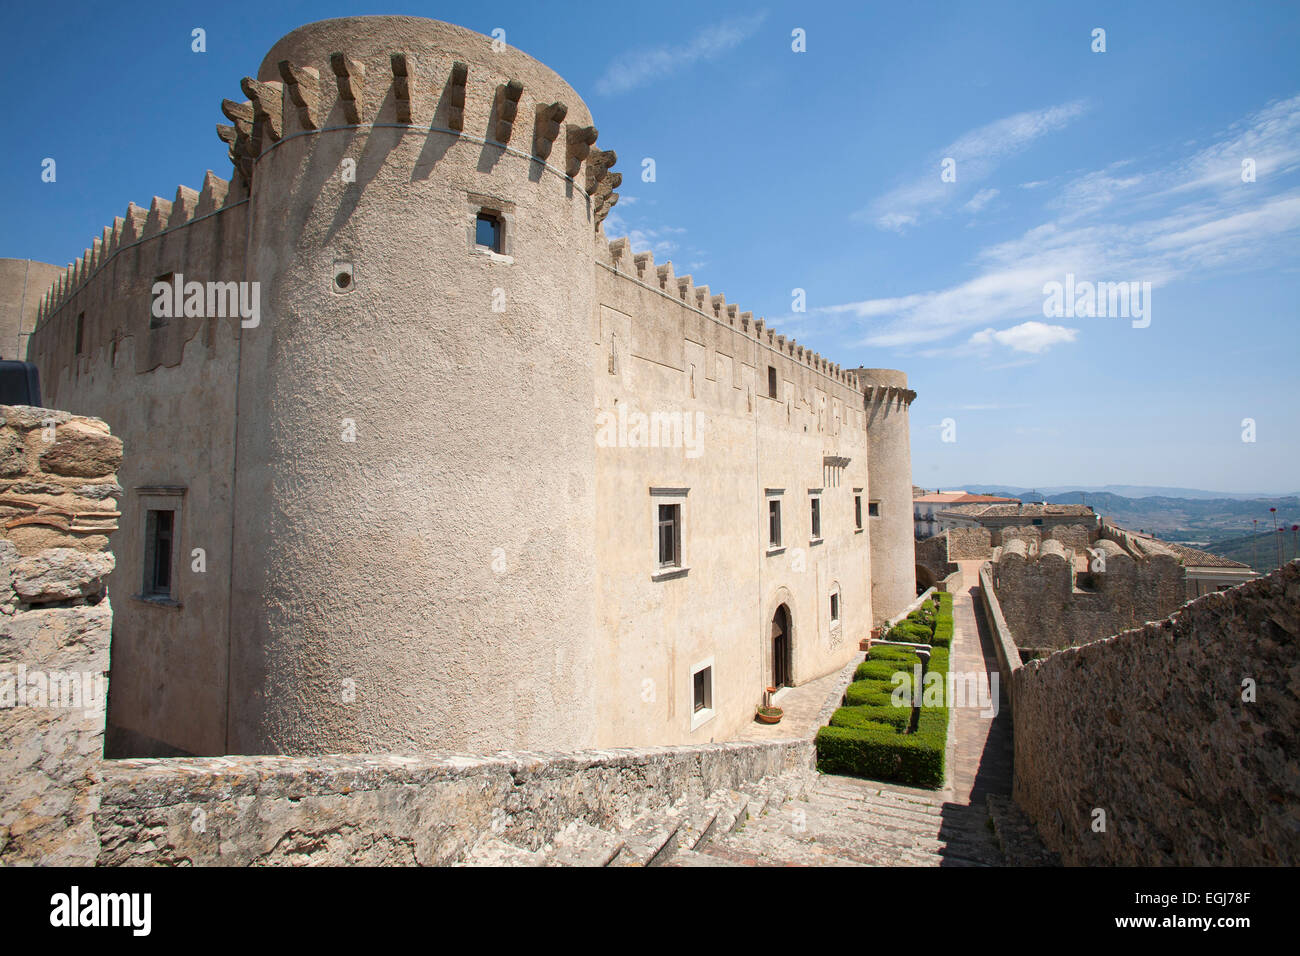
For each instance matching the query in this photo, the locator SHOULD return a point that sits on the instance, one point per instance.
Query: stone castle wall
(1048, 604)
(465, 416)
(57, 508)
(969, 544)
(23, 284)
(1150, 726)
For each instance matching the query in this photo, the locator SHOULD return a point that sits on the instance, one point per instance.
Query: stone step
(733, 812)
(684, 857)
(492, 851)
(957, 823)
(855, 788)
(887, 808)
(581, 844)
(852, 827)
(772, 844)
(648, 840)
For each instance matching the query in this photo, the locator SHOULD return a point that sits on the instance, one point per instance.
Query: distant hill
(1257, 550)
(1128, 491)
(1195, 521)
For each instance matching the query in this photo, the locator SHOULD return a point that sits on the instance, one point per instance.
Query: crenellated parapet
(458, 85)
(136, 226)
(641, 266)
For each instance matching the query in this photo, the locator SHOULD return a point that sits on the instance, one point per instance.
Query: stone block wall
(969, 544)
(932, 561)
(1048, 605)
(1074, 536)
(57, 489)
(391, 810)
(1029, 534)
(1151, 727)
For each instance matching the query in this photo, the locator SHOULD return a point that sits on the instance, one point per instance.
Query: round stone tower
(414, 541)
(22, 283)
(889, 490)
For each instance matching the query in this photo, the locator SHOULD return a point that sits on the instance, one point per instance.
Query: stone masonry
(1181, 731)
(57, 485)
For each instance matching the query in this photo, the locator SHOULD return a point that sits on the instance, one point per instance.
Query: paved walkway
(805, 707)
(980, 750)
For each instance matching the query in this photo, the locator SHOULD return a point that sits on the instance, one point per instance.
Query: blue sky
(821, 170)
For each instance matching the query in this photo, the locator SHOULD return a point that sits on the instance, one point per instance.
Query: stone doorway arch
(782, 648)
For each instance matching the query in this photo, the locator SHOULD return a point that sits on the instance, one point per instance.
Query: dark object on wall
(20, 384)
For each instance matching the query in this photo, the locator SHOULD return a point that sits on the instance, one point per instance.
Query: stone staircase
(800, 819)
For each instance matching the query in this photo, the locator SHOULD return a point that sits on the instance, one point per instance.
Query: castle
(475, 477)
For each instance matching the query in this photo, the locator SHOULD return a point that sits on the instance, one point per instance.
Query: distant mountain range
(1189, 518)
(1125, 491)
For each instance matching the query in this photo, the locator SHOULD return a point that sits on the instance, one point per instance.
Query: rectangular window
(158, 553)
(857, 511)
(702, 693)
(873, 509)
(774, 522)
(835, 607)
(81, 331)
(771, 381)
(670, 536)
(702, 689)
(488, 231)
(816, 517)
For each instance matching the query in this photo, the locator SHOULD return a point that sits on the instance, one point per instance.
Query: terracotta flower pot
(773, 715)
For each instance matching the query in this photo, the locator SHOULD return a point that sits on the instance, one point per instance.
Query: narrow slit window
(670, 541)
(703, 689)
(857, 512)
(81, 332)
(774, 523)
(771, 381)
(158, 553)
(816, 504)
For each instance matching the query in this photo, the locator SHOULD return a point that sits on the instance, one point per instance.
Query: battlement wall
(105, 297)
(666, 320)
(1050, 600)
(1155, 727)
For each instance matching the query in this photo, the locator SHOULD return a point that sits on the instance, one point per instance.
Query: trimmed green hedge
(868, 736)
(943, 623)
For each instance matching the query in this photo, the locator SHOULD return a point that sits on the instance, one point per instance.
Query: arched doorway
(782, 672)
(924, 578)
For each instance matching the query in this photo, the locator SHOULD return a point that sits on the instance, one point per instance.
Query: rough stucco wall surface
(400, 811)
(55, 622)
(893, 556)
(1150, 727)
(428, 585)
(655, 355)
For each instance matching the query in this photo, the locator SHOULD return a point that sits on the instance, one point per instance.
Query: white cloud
(638, 67)
(980, 200)
(1185, 218)
(977, 154)
(1032, 337)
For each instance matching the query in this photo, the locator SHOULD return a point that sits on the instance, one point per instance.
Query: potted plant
(766, 713)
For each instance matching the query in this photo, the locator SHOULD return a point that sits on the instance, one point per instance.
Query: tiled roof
(1196, 558)
(958, 497)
